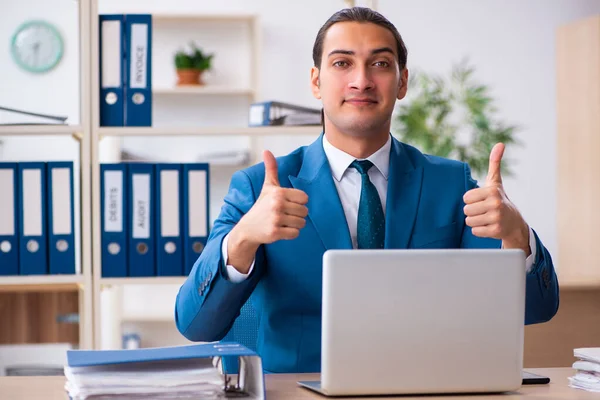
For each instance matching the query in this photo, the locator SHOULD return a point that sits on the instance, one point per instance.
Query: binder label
(257, 112)
(113, 201)
(32, 202)
(139, 54)
(111, 54)
(7, 202)
(141, 206)
(197, 203)
(61, 201)
(169, 203)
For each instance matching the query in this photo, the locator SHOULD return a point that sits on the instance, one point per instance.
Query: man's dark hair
(358, 14)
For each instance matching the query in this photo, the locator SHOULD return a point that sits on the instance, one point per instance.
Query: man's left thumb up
(494, 176)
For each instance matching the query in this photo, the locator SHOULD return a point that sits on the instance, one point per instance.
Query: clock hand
(36, 50)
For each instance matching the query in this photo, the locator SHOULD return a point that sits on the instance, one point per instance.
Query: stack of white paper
(301, 118)
(170, 379)
(587, 366)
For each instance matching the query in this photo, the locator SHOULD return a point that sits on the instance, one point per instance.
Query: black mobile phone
(534, 379)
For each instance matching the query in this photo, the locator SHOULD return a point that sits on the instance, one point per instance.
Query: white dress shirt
(348, 183)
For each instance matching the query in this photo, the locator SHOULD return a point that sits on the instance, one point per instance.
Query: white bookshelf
(88, 282)
(39, 283)
(109, 309)
(151, 280)
(203, 90)
(41, 130)
(238, 79)
(213, 131)
(82, 281)
(147, 317)
(164, 18)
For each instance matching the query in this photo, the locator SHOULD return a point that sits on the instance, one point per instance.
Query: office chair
(243, 331)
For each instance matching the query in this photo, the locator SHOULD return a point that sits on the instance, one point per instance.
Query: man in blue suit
(354, 187)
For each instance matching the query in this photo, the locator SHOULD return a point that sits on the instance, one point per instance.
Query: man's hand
(491, 214)
(278, 214)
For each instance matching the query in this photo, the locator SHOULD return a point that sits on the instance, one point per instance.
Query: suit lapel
(404, 191)
(324, 206)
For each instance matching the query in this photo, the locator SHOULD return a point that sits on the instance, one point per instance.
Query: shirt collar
(339, 161)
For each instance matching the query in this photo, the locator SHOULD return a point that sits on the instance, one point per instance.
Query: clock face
(37, 46)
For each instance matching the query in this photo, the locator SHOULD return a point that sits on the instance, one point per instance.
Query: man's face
(359, 79)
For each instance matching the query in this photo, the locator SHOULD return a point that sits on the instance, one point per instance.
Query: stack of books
(184, 372)
(587, 366)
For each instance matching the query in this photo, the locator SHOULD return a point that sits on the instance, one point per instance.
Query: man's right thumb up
(270, 169)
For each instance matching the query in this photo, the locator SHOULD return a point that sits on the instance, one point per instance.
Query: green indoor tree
(453, 118)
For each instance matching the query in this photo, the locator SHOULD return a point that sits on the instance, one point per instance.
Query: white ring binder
(114, 248)
(170, 247)
(111, 98)
(33, 246)
(138, 98)
(62, 246)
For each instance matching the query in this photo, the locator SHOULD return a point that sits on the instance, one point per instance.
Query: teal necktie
(370, 229)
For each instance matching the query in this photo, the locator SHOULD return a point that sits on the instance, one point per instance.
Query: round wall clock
(37, 46)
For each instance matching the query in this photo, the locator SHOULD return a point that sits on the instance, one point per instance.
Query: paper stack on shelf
(235, 157)
(587, 366)
(182, 372)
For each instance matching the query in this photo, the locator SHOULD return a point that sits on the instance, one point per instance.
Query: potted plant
(453, 118)
(191, 64)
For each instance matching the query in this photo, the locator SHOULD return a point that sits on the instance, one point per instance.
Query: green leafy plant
(193, 59)
(453, 118)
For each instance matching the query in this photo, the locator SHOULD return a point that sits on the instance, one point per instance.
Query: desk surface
(284, 387)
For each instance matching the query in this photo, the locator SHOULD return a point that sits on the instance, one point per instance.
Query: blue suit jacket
(424, 210)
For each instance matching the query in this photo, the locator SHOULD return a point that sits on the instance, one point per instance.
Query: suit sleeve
(542, 291)
(208, 303)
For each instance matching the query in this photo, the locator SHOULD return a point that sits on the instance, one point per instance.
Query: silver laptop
(421, 321)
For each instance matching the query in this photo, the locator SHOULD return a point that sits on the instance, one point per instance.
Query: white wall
(55, 92)
(511, 44)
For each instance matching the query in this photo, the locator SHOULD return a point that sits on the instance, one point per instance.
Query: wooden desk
(284, 387)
